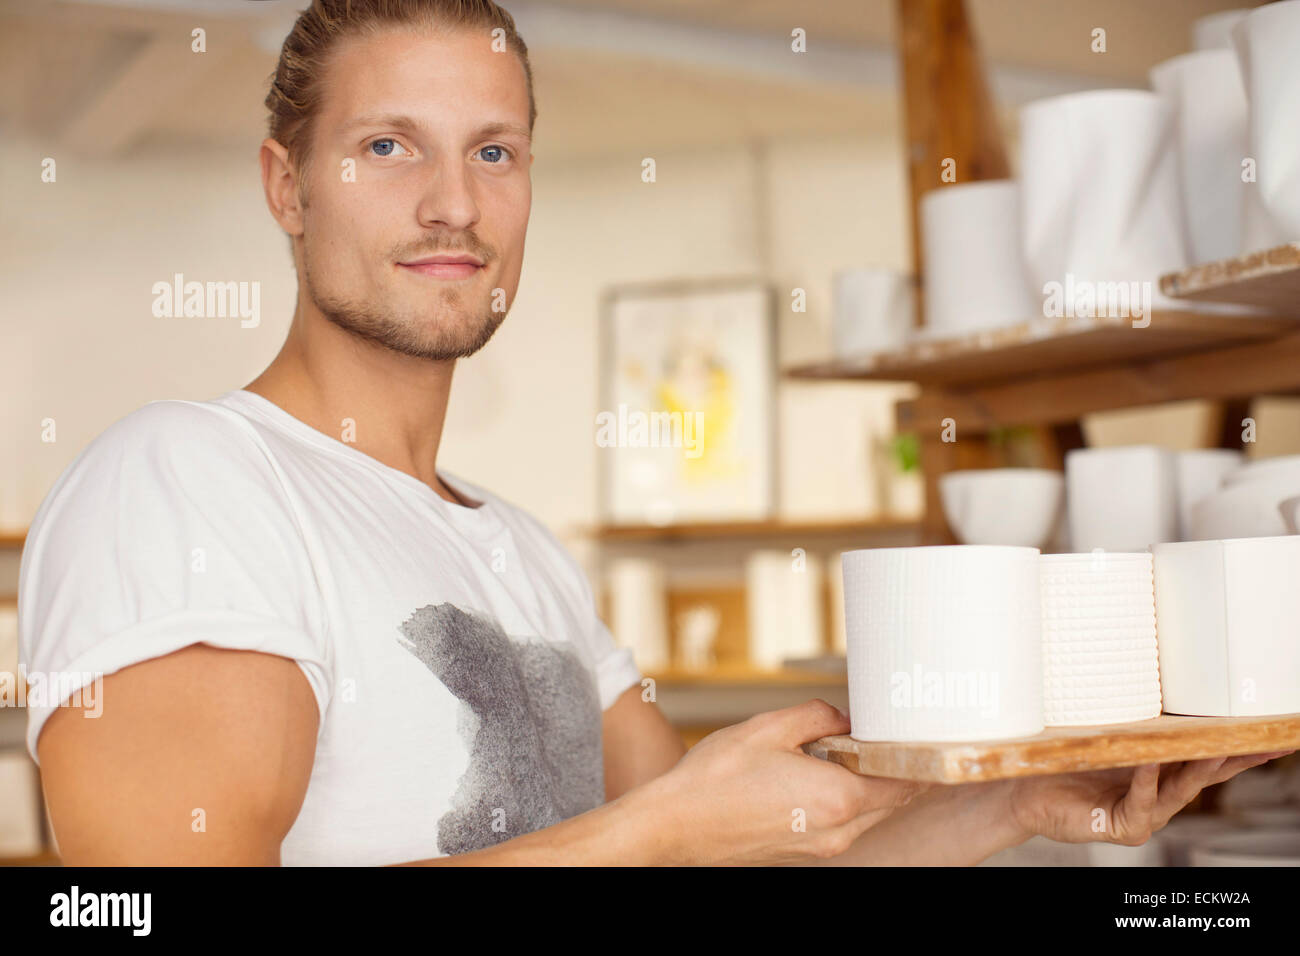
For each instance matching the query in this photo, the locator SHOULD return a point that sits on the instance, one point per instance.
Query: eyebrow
(400, 121)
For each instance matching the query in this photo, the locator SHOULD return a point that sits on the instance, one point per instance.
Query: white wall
(81, 345)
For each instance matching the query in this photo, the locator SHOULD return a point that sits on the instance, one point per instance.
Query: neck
(397, 403)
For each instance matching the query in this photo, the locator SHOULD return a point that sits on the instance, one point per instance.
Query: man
(326, 650)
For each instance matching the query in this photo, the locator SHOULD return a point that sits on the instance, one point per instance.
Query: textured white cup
(944, 643)
(974, 274)
(1121, 499)
(1011, 506)
(1228, 620)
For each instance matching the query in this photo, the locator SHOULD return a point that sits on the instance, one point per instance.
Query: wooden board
(1165, 739)
(1269, 279)
(1045, 346)
(1272, 366)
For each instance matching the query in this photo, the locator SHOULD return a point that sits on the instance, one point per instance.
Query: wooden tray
(1164, 739)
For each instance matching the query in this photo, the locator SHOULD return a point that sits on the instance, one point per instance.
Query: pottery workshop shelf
(1045, 346)
(713, 530)
(1164, 739)
(1269, 279)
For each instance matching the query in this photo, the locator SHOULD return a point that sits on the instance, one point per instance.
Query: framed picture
(685, 429)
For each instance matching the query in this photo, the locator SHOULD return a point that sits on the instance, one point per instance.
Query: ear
(281, 187)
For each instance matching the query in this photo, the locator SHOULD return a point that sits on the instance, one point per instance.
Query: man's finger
(1133, 811)
(803, 723)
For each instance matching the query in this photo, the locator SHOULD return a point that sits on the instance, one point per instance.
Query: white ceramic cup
(1290, 509)
(975, 277)
(1209, 103)
(1214, 32)
(1111, 213)
(1266, 44)
(1009, 506)
(1200, 473)
(1228, 620)
(873, 311)
(1265, 469)
(1121, 499)
(944, 642)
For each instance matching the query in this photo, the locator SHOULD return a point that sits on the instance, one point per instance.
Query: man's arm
(200, 757)
(639, 743)
(227, 739)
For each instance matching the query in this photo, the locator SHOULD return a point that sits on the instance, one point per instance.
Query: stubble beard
(448, 328)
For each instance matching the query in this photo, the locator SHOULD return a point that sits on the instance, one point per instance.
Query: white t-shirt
(458, 663)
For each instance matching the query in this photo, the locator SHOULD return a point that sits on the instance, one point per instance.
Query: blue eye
(499, 149)
(384, 147)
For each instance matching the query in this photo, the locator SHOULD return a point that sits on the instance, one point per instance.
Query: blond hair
(295, 93)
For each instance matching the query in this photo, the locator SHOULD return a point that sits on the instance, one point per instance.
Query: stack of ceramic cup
(1100, 662)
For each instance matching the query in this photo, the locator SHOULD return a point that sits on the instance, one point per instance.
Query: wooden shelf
(1042, 347)
(41, 859)
(1269, 279)
(12, 538)
(1165, 739)
(748, 676)
(699, 531)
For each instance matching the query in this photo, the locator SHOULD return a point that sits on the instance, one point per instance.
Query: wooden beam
(947, 108)
(124, 108)
(1230, 373)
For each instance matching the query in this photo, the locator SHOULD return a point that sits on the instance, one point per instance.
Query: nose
(448, 198)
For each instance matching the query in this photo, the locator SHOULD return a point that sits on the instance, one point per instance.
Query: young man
(322, 649)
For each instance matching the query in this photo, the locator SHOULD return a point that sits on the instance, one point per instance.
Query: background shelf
(710, 531)
(1043, 346)
(1269, 279)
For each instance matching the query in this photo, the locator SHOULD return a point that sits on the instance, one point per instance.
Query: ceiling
(104, 76)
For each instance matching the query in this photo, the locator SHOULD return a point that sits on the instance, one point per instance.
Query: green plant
(906, 450)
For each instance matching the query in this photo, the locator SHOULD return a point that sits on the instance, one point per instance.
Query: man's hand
(1125, 805)
(749, 794)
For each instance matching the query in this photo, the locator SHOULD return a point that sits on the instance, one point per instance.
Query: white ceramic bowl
(1247, 509)
(1019, 507)
(1280, 467)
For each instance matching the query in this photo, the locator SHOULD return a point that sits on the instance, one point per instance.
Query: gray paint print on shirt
(535, 745)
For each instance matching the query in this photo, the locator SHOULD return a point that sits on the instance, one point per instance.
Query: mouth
(445, 266)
